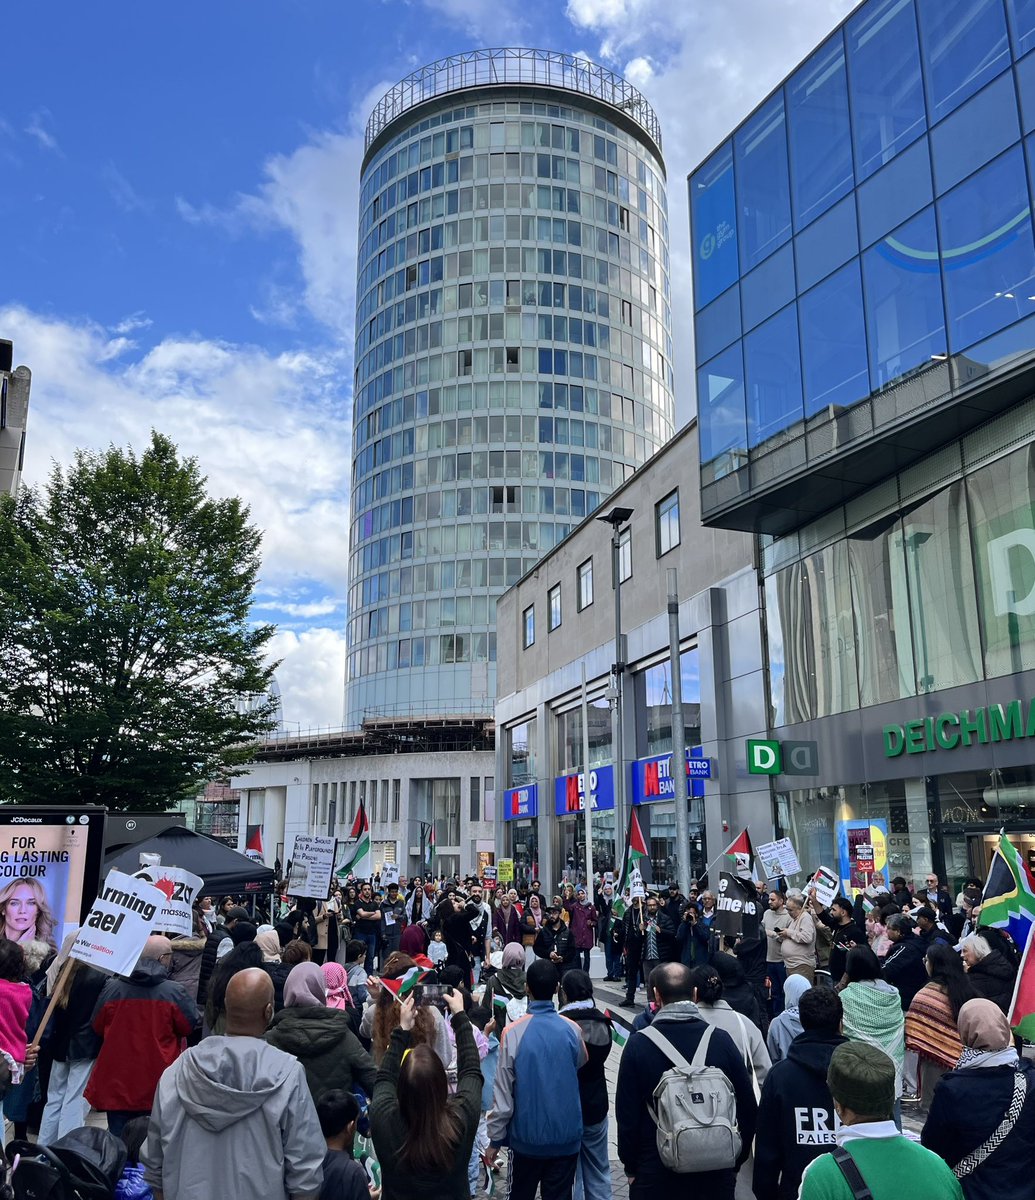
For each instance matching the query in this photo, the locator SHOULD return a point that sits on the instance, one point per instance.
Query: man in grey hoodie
(234, 1109)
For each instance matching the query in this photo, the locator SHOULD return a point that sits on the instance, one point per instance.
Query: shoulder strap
(852, 1174)
(671, 1053)
(975, 1158)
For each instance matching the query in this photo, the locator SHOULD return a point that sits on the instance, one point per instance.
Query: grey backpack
(695, 1110)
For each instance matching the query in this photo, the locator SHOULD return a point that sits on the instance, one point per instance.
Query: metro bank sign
(652, 777)
(569, 791)
(521, 803)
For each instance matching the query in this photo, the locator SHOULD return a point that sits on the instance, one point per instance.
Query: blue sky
(178, 229)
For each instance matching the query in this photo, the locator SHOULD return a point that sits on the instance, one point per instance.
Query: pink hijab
(338, 994)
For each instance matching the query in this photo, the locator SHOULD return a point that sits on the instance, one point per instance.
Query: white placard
(778, 858)
(180, 888)
(312, 862)
(825, 884)
(636, 888)
(389, 874)
(118, 924)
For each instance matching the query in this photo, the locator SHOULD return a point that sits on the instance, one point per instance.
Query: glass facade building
(864, 263)
(513, 353)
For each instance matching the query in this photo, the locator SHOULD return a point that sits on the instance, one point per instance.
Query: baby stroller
(83, 1165)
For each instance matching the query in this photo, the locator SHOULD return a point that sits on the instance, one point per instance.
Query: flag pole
(587, 796)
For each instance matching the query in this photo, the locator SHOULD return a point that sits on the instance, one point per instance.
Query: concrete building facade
(14, 415)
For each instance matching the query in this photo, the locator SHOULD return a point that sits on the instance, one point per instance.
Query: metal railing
(490, 68)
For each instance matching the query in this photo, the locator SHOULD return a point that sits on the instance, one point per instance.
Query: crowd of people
(394, 1041)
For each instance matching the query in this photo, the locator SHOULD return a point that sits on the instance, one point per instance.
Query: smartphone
(434, 993)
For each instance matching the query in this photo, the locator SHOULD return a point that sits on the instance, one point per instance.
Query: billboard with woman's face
(50, 861)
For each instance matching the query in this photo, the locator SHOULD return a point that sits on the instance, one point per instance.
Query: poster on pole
(778, 858)
(489, 878)
(505, 870)
(179, 887)
(312, 861)
(389, 874)
(118, 924)
(636, 889)
(736, 907)
(824, 885)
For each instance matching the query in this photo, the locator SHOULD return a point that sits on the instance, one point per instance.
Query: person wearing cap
(861, 1079)
(673, 903)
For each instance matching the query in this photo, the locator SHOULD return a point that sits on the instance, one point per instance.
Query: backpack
(695, 1111)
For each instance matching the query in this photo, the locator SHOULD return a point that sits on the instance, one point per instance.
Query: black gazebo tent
(225, 871)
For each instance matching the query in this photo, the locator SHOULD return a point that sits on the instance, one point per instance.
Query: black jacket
(70, 1035)
(560, 941)
(323, 1042)
(737, 990)
(639, 1072)
(666, 937)
(842, 939)
(993, 978)
(278, 972)
(966, 1110)
(795, 1117)
(208, 961)
(904, 968)
(596, 1033)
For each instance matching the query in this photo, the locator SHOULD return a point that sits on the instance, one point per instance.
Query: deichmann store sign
(949, 730)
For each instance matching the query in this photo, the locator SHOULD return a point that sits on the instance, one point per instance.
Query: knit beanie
(862, 1078)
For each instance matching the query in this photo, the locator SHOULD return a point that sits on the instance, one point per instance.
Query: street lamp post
(616, 518)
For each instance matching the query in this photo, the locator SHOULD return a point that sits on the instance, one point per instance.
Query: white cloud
(37, 128)
(311, 676)
(639, 71)
(598, 14)
(487, 22)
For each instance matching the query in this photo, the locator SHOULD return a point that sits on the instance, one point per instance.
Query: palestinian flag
(253, 844)
(1022, 1007)
(1008, 901)
(740, 856)
(355, 851)
(401, 988)
(621, 1029)
(424, 962)
(634, 859)
(431, 844)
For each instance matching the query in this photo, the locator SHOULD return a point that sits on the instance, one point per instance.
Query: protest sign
(118, 924)
(489, 877)
(312, 861)
(389, 874)
(180, 888)
(864, 858)
(736, 907)
(778, 858)
(636, 888)
(825, 885)
(505, 870)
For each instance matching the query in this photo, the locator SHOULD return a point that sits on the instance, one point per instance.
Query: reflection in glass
(521, 757)
(887, 89)
(879, 592)
(569, 737)
(1002, 505)
(790, 673)
(713, 212)
(769, 287)
(828, 242)
(895, 193)
(773, 377)
(654, 702)
(975, 133)
(964, 47)
(722, 423)
(942, 593)
(987, 251)
(833, 342)
(832, 630)
(1022, 25)
(763, 191)
(820, 137)
(904, 312)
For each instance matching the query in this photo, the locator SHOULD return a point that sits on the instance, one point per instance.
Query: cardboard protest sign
(180, 889)
(636, 888)
(389, 874)
(118, 924)
(825, 885)
(778, 858)
(489, 877)
(736, 907)
(505, 870)
(312, 862)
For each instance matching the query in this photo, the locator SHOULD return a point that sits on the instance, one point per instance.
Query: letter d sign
(764, 758)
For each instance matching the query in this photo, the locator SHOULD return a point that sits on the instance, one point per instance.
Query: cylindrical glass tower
(513, 353)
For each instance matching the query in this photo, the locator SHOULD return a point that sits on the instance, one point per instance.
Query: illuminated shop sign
(970, 726)
(569, 791)
(520, 803)
(652, 777)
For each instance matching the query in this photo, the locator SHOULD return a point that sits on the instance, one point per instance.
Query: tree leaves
(128, 658)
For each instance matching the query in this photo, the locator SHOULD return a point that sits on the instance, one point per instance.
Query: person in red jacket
(142, 1021)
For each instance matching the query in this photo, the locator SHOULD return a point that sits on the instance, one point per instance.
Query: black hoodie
(596, 1033)
(795, 1117)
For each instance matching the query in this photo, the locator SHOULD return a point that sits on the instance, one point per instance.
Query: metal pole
(587, 806)
(617, 725)
(678, 741)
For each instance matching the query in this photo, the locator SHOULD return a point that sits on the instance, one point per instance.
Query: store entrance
(968, 852)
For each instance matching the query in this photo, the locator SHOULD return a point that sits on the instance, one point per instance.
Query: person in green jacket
(422, 1135)
(861, 1079)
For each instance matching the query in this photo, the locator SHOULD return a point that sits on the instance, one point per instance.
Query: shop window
(880, 602)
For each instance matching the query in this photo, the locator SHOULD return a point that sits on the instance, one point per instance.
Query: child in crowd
(438, 951)
(131, 1185)
(355, 967)
(343, 1177)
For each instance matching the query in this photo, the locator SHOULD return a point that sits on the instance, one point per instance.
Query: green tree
(126, 645)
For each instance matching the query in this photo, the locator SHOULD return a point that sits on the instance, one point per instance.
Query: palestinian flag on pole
(431, 844)
(634, 859)
(355, 852)
(621, 1029)
(402, 987)
(253, 844)
(1022, 1007)
(741, 857)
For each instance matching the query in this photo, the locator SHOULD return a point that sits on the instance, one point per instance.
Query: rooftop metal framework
(491, 68)
(383, 735)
